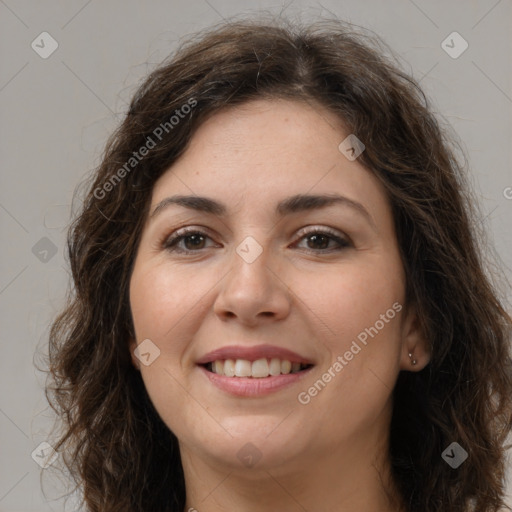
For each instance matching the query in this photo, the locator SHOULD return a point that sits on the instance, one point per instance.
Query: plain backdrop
(57, 111)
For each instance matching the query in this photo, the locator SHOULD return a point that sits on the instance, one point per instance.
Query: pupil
(315, 238)
(197, 239)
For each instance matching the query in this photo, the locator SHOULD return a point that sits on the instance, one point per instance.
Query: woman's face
(267, 277)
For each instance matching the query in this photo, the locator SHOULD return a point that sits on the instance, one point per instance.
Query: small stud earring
(413, 361)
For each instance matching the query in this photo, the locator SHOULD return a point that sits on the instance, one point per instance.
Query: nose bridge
(251, 287)
(250, 263)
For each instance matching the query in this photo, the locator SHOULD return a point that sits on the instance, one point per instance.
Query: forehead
(265, 150)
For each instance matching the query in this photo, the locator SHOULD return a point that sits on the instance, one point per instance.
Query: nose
(253, 291)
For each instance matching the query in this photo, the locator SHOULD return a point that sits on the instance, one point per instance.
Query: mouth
(254, 371)
(258, 369)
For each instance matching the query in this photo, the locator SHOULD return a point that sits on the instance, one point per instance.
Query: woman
(280, 302)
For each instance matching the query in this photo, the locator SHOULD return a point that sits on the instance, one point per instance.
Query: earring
(413, 361)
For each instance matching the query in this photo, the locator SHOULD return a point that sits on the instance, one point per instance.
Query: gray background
(57, 112)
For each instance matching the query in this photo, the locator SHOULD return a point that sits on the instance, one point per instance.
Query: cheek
(363, 317)
(161, 297)
(346, 302)
(164, 303)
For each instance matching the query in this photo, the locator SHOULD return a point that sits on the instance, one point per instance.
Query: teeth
(286, 366)
(257, 369)
(218, 367)
(229, 368)
(243, 368)
(275, 366)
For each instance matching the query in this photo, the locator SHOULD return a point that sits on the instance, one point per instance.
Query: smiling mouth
(257, 369)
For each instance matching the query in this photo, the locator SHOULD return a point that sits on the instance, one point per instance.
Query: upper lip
(253, 353)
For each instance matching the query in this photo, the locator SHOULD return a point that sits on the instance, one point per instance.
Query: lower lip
(250, 386)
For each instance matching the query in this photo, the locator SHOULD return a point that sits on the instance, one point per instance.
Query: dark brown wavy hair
(113, 442)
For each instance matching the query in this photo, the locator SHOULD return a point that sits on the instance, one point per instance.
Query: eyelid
(306, 230)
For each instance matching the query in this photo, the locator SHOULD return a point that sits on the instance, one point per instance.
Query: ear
(415, 347)
(132, 345)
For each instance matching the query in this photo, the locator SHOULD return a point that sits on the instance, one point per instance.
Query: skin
(330, 454)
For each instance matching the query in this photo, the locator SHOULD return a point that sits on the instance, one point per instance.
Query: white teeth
(286, 367)
(275, 366)
(257, 369)
(242, 368)
(229, 368)
(218, 367)
(260, 368)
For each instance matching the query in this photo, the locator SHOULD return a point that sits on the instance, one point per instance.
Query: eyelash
(170, 243)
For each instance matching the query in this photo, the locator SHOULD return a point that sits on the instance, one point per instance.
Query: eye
(321, 238)
(193, 240)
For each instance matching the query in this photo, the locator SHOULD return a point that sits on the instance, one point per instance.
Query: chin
(253, 443)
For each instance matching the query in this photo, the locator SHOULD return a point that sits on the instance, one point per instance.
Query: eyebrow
(290, 205)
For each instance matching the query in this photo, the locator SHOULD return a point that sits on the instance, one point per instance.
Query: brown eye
(192, 241)
(320, 241)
